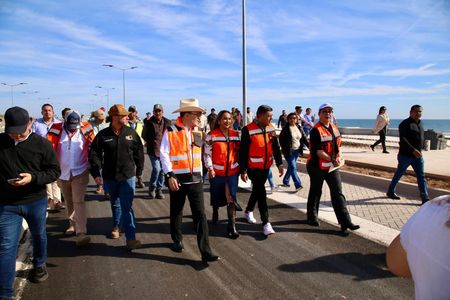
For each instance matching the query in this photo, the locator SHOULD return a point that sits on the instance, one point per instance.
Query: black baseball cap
(16, 120)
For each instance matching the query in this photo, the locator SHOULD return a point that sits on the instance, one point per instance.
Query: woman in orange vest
(325, 152)
(221, 160)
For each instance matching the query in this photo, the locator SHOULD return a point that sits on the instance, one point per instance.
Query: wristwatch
(170, 175)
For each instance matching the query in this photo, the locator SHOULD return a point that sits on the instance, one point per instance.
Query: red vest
(260, 154)
(183, 159)
(326, 144)
(54, 133)
(225, 152)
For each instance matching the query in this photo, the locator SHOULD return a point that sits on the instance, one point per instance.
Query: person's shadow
(360, 266)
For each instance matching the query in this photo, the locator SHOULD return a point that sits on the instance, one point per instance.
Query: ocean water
(436, 125)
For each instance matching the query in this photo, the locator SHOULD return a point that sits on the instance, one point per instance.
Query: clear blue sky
(357, 55)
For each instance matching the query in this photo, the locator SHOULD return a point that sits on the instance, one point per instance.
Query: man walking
(309, 122)
(71, 141)
(181, 158)
(152, 134)
(410, 153)
(27, 164)
(120, 147)
(41, 126)
(259, 146)
(136, 123)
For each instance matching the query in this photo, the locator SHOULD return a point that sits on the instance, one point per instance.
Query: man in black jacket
(27, 163)
(152, 135)
(410, 153)
(121, 150)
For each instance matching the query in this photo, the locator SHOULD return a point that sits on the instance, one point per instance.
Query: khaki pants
(53, 192)
(73, 191)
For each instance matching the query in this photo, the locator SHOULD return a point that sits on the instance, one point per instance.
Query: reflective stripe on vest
(184, 159)
(326, 144)
(260, 151)
(224, 152)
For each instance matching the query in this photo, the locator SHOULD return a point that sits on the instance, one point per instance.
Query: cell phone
(14, 179)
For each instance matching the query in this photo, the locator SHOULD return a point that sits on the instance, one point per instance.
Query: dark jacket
(286, 140)
(245, 146)
(411, 136)
(36, 156)
(119, 157)
(152, 134)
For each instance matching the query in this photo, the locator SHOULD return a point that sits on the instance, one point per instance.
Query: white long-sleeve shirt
(72, 154)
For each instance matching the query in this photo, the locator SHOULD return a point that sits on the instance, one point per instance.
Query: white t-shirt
(296, 137)
(426, 240)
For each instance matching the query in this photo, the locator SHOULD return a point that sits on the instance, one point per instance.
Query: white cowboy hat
(188, 105)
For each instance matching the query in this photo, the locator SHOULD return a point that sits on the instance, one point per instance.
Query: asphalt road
(298, 262)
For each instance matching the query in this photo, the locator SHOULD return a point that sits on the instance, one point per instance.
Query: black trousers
(258, 178)
(194, 194)
(382, 138)
(333, 179)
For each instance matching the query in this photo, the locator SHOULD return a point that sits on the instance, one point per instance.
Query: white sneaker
(274, 188)
(250, 218)
(268, 230)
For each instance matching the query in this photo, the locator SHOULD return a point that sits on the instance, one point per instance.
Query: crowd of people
(47, 160)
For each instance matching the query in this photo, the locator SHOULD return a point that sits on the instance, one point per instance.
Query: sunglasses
(327, 111)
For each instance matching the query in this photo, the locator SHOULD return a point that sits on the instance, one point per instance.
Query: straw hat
(188, 105)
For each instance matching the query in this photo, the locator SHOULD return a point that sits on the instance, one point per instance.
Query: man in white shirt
(71, 142)
(249, 116)
(41, 126)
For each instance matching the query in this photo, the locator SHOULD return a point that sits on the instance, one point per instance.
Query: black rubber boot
(231, 230)
(215, 216)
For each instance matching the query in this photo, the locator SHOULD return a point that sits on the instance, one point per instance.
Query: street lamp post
(123, 77)
(12, 90)
(107, 95)
(244, 66)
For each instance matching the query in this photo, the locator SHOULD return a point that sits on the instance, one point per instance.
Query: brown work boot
(82, 240)
(115, 233)
(133, 244)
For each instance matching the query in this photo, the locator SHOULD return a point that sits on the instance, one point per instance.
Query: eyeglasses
(197, 114)
(327, 111)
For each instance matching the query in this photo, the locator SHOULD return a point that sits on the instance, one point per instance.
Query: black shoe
(372, 147)
(387, 152)
(313, 223)
(177, 247)
(425, 199)
(39, 274)
(159, 194)
(392, 196)
(232, 232)
(209, 258)
(151, 194)
(350, 226)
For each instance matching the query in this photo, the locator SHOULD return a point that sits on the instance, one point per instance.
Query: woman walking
(221, 160)
(292, 139)
(381, 125)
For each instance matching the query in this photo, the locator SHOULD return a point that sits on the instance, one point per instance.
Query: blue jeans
(11, 217)
(122, 194)
(307, 130)
(157, 178)
(270, 178)
(292, 169)
(418, 166)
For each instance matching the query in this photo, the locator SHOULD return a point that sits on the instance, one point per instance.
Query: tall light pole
(123, 77)
(12, 90)
(107, 95)
(244, 66)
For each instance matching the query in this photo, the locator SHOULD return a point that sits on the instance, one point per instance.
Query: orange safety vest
(326, 144)
(225, 152)
(260, 154)
(54, 133)
(185, 161)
